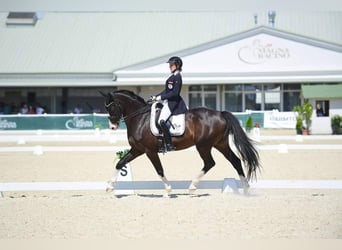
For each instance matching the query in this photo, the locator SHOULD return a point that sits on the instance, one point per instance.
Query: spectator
(77, 110)
(319, 110)
(39, 109)
(24, 109)
(31, 110)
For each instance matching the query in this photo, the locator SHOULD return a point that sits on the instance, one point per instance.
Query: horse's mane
(130, 94)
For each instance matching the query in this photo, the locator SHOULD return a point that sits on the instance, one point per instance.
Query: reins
(131, 115)
(142, 110)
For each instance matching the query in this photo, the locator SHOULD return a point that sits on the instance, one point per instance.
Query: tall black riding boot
(167, 136)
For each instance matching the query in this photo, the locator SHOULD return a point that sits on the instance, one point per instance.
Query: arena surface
(207, 214)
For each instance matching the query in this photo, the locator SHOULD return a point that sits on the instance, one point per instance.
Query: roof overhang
(226, 78)
(322, 91)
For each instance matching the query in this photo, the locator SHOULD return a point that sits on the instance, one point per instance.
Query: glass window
(322, 108)
(195, 88)
(195, 100)
(291, 99)
(272, 87)
(292, 86)
(252, 87)
(233, 87)
(251, 101)
(272, 97)
(233, 102)
(203, 95)
(210, 88)
(210, 100)
(271, 106)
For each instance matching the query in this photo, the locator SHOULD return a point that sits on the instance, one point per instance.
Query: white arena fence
(226, 185)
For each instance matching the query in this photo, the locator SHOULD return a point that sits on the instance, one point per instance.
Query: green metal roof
(101, 42)
(322, 91)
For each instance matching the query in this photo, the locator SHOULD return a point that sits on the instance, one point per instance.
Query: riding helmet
(176, 61)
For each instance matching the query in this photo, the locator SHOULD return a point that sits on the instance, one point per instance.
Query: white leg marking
(194, 184)
(245, 184)
(111, 183)
(167, 186)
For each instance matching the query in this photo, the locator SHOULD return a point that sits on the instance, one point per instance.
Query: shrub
(336, 124)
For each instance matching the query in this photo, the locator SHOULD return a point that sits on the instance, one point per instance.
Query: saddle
(176, 123)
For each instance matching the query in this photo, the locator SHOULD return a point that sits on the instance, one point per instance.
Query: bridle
(131, 115)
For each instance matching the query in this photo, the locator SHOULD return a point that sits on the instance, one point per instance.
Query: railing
(53, 122)
(264, 119)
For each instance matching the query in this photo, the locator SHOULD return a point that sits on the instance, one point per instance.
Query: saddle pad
(177, 121)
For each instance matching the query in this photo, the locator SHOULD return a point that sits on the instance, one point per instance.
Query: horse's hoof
(166, 195)
(109, 189)
(246, 191)
(192, 189)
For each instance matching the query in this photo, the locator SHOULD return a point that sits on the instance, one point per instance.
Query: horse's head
(123, 103)
(114, 110)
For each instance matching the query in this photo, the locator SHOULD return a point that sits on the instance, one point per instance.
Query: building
(329, 99)
(233, 60)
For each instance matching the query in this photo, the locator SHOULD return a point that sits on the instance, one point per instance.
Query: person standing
(319, 110)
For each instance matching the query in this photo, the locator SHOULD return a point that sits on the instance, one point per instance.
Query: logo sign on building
(259, 51)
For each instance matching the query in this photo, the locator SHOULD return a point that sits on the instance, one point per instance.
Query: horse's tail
(248, 153)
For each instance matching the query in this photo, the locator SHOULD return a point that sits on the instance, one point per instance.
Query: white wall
(322, 125)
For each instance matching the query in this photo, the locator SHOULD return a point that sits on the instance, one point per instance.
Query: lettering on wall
(259, 52)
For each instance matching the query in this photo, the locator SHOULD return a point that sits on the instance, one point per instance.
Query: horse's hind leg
(205, 153)
(154, 158)
(236, 162)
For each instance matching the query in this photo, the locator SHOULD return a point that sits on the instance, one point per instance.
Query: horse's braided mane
(130, 94)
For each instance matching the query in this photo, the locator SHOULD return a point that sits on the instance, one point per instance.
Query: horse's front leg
(131, 155)
(154, 158)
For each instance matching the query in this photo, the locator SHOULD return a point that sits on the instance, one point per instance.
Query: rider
(171, 99)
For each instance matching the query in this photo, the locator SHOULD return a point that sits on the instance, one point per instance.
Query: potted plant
(249, 124)
(305, 112)
(299, 125)
(336, 124)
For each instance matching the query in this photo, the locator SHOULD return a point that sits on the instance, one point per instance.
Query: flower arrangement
(257, 125)
(121, 154)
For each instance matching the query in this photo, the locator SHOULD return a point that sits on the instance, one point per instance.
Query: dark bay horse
(205, 128)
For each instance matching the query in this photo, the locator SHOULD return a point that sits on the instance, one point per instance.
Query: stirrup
(166, 148)
(170, 147)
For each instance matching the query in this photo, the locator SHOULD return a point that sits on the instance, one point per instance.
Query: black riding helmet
(176, 61)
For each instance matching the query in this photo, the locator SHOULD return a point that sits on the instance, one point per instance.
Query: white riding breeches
(165, 112)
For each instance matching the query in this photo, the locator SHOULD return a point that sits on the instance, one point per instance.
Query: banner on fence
(275, 119)
(53, 122)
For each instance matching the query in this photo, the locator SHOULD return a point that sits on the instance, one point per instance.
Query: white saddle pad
(177, 121)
